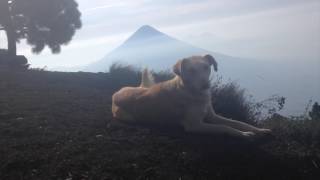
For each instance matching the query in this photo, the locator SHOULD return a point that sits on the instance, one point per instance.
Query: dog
(184, 100)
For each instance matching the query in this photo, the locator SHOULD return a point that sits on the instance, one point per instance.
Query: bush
(295, 131)
(124, 75)
(230, 100)
(315, 112)
(13, 63)
(127, 75)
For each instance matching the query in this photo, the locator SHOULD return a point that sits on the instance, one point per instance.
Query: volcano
(148, 47)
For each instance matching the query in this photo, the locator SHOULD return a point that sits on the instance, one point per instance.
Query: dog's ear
(212, 61)
(177, 68)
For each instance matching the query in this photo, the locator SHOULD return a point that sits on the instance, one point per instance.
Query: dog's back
(149, 103)
(161, 103)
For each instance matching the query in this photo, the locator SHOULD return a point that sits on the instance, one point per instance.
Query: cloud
(78, 52)
(249, 28)
(283, 33)
(99, 5)
(103, 7)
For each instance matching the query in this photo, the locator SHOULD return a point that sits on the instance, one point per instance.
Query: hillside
(56, 125)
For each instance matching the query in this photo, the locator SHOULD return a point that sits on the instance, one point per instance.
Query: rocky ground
(59, 126)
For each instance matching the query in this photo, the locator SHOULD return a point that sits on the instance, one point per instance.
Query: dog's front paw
(264, 131)
(248, 134)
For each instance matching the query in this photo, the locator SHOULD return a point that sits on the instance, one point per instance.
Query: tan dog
(184, 100)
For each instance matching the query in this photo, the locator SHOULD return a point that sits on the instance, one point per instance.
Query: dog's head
(195, 71)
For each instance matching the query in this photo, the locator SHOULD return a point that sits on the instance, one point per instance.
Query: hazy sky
(273, 30)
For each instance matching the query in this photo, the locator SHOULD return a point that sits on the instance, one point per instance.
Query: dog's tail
(147, 79)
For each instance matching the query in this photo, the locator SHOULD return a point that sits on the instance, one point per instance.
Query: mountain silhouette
(152, 48)
(145, 33)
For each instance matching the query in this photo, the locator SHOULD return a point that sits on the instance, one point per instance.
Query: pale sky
(270, 30)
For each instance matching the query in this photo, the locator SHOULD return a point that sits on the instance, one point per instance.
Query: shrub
(38, 69)
(13, 63)
(230, 100)
(295, 131)
(128, 75)
(315, 112)
(124, 75)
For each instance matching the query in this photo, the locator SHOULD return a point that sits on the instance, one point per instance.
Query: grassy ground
(59, 126)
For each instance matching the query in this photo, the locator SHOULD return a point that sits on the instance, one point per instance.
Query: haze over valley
(267, 47)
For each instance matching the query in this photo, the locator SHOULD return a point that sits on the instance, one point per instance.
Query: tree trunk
(11, 38)
(7, 24)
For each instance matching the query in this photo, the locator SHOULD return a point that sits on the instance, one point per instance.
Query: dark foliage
(125, 75)
(41, 22)
(128, 75)
(298, 132)
(12, 62)
(229, 100)
(315, 112)
(268, 107)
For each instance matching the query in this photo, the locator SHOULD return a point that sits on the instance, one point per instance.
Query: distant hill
(152, 48)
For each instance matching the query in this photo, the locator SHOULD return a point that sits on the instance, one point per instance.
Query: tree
(42, 23)
(315, 112)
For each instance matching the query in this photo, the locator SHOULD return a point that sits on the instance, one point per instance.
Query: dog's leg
(193, 122)
(214, 118)
(120, 114)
